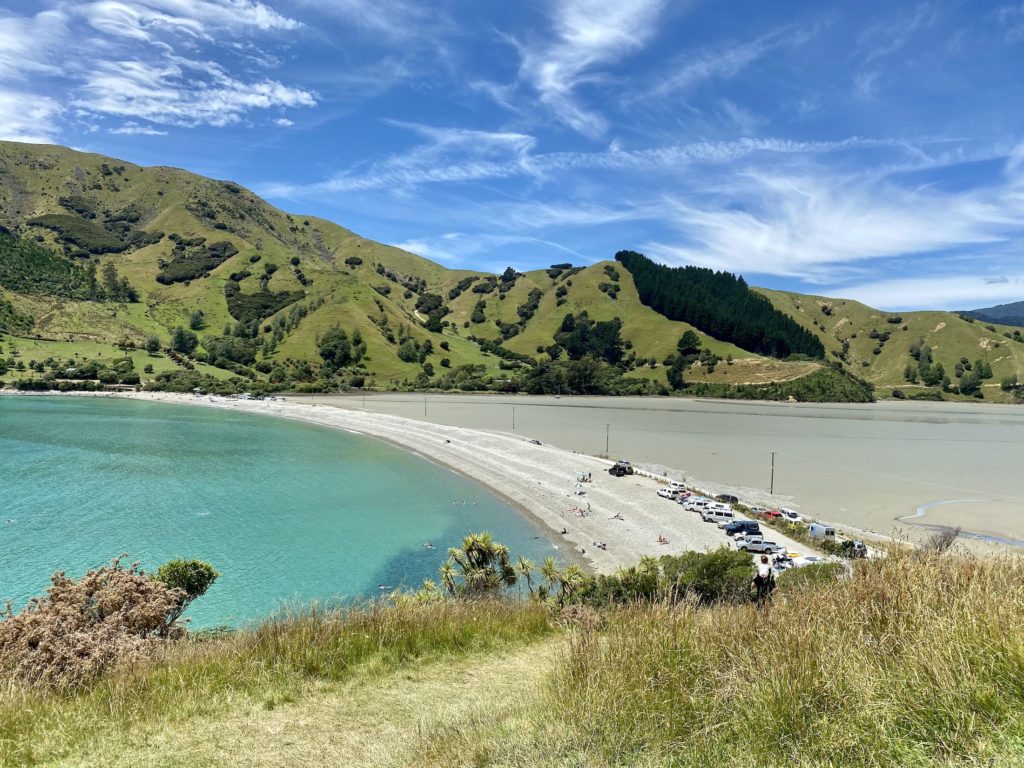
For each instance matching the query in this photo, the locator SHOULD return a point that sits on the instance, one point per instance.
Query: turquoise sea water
(287, 512)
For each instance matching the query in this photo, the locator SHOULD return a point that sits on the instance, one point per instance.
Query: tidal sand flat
(287, 511)
(869, 467)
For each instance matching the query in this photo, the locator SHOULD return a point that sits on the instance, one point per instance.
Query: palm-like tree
(448, 575)
(549, 572)
(571, 579)
(485, 565)
(526, 568)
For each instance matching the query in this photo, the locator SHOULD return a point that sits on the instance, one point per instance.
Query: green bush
(84, 233)
(192, 577)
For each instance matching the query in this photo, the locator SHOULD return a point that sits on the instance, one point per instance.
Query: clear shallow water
(287, 512)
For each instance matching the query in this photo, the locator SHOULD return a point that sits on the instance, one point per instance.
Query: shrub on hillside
(112, 615)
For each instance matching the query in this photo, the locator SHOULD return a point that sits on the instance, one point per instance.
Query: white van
(676, 485)
(697, 504)
(717, 516)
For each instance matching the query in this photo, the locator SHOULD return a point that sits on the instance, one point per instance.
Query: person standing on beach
(764, 582)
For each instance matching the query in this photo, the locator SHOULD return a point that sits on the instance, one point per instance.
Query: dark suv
(742, 526)
(725, 498)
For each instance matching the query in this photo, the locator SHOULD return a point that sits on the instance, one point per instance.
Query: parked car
(717, 515)
(790, 516)
(740, 526)
(534, 442)
(771, 514)
(726, 498)
(757, 510)
(620, 469)
(765, 547)
(667, 493)
(820, 531)
(748, 535)
(677, 485)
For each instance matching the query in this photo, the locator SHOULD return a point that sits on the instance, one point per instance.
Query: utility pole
(771, 488)
(513, 418)
(424, 407)
(607, 435)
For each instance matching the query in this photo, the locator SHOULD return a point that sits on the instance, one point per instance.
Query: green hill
(103, 255)
(1009, 314)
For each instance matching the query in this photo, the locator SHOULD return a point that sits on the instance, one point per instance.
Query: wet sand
(865, 467)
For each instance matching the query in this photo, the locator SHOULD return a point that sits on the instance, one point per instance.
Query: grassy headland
(915, 660)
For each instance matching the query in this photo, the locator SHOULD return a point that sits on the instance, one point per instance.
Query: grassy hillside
(85, 235)
(914, 660)
(862, 329)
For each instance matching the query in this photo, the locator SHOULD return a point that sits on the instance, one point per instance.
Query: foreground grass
(913, 662)
(277, 663)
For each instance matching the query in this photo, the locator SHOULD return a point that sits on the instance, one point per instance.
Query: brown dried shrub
(112, 615)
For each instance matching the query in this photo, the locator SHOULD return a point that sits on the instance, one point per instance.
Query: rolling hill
(100, 256)
(1008, 314)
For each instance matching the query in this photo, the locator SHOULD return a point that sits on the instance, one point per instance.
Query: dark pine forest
(719, 304)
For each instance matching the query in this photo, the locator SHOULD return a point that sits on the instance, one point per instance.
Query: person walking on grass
(764, 582)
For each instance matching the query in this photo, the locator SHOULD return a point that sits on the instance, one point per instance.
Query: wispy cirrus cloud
(145, 20)
(142, 60)
(724, 60)
(955, 291)
(132, 128)
(458, 156)
(820, 227)
(586, 37)
(28, 117)
(181, 92)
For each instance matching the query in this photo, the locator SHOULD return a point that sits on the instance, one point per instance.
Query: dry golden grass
(276, 663)
(916, 661)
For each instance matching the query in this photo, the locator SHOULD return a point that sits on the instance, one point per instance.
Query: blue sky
(871, 150)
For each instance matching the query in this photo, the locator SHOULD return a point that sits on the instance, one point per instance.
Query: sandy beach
(625, 513)
(886, 469)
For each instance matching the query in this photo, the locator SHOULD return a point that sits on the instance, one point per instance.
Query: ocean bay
(287, 512)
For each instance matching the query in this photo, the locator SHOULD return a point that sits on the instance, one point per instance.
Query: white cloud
(458, 247)
(181, 92)
(814, 226)
(129, 66)
(132, 128)
(939, 292)
(451, 155)
(143, 19)
(455, 155)
(27, 45)
(284, 122)
(28, 117)
(588, 35)
(724, 61)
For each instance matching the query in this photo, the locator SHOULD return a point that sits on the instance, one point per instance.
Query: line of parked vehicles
(746, 534)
